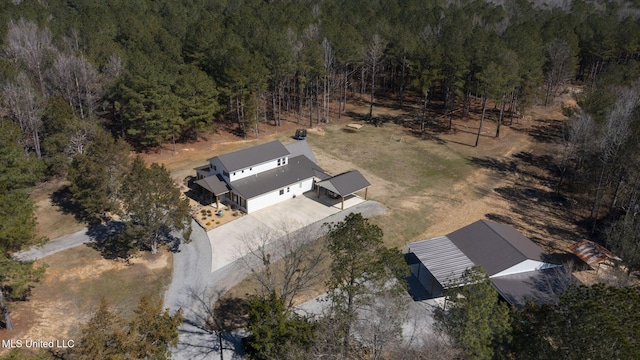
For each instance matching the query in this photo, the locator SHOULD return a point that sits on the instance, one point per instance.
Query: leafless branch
(287, 262)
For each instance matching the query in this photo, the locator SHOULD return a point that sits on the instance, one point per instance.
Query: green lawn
(416, 172)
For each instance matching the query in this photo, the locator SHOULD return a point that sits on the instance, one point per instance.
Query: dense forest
(156, 71)
(77, 74)
(163, 70)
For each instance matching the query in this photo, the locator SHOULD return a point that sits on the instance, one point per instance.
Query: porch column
(342, 208)
(318, 191)
(365, 193)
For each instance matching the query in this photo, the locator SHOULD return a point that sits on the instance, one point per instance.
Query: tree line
(155, 71)
(598, 162)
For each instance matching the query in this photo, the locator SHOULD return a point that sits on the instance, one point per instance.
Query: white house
(263, 175)
(517, 267)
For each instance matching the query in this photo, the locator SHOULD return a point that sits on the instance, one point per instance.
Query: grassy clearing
(53, 220)
(75, 282)
(409, 177)
(412, 171)
(89, 277)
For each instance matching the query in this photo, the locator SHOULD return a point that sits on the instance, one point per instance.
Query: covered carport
(215, 186)
(440, 264)
(345, 184)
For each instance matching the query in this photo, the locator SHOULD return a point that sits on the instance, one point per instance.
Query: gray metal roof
(301, 148)
(540, 286)
(214, 184)
(346, 183)
(321, 175)
(494, 246)
(443, 258)
(297, 169)
(254, 155)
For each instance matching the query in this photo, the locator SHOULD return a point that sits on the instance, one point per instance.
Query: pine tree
(475, 318)
(152, 330)
(96, 176)
(361, 266)
(277, 332)
(153, 206)
(17, 230)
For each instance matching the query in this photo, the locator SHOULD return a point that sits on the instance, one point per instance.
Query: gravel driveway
(193, 282)
(193, 286)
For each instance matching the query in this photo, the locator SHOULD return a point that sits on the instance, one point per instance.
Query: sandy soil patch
(75, 282)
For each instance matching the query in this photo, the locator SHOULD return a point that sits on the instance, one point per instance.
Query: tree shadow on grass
(63, 199)
(549, 212)
(535, 206)
(107, 239)
(547, 131)
(498, 165)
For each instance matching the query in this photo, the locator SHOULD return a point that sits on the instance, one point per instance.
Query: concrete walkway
(56, 245)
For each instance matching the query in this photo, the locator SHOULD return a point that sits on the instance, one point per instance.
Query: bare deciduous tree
(616, 132)
(114, 67)
(23, 106)
(378, 326)
(28, 44)
(560, 66)
(373, 56)
(432, 347)
(329, 60)
(286, 262)
(578, 136)
(78, 82)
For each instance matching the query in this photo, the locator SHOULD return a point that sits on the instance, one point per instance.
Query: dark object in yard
(301, 134)
(219, 213)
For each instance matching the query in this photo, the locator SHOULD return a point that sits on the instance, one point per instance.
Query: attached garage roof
(297, 169)
(443, 258)
(494, 246)
(301, 148)
(254, 155)
(214, 184)
(345, 183)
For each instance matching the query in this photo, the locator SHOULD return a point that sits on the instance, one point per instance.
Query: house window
(243, 171)
(278, 162)
(281, 191)
(284, 161)
(225, 173)
(234, 173)
(250, 168)
(287, 189)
